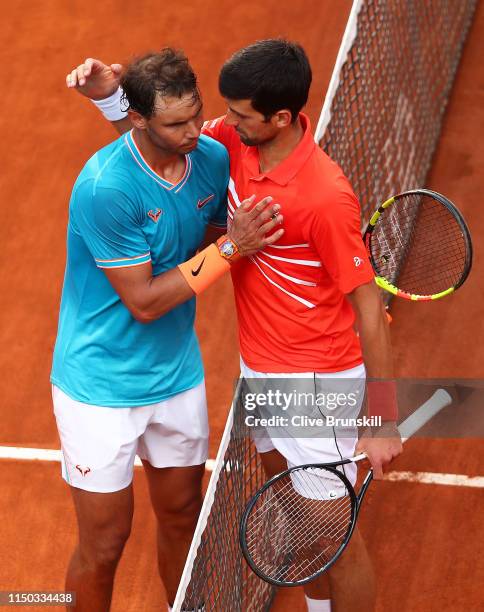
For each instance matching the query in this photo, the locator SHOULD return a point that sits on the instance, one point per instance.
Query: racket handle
(440, 399)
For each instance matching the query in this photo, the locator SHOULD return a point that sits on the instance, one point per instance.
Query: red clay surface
(423, 562)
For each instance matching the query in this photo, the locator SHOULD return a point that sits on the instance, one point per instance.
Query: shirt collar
(284, 172)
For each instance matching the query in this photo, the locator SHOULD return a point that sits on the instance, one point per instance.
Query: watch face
(227, 249)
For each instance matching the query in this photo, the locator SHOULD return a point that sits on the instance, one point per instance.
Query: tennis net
(380, 121)
(216, 577)
(383, 111)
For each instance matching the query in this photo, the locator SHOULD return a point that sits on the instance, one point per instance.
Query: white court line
(41, 454)
(44, 454)
(456, 480)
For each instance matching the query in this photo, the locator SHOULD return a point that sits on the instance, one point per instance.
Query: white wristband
(111, 107)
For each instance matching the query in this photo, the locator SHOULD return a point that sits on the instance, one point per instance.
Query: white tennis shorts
(308, 444)
(99, 444)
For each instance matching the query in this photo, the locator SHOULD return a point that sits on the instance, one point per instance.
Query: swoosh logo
(196, 272)
(201, 203)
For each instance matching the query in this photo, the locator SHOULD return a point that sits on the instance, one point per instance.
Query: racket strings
(408, 237)
(286, 498)
(298, 525)
(329, 529)
(332, 520)
(427, 252)
(419, 246)
(303, 552)
(306, 548)
(285, 492)
(320, 546)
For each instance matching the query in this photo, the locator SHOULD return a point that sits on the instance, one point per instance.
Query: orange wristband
(204, 269)
(382, 399)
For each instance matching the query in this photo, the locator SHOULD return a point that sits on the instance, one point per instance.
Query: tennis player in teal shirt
(124, 214)
(127, 375)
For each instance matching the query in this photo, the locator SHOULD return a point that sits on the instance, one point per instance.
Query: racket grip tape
(440, 399)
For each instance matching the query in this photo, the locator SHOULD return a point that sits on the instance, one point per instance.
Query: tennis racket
(298, 524)
(419, 245)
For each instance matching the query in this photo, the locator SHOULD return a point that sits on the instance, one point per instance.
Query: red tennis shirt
(292, 310)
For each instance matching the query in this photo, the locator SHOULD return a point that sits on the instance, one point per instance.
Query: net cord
(349, 36)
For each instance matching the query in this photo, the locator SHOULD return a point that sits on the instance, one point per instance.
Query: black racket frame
(355, 500)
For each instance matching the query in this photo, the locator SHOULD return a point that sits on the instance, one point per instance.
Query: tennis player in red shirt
(299, 300)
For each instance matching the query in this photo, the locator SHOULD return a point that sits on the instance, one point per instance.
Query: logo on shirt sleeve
(154, 215)
(358, 261)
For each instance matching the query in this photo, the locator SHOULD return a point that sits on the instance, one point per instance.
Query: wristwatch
(228, 249)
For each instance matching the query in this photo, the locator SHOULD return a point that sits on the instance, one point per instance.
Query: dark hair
(167, 73)
(274, 74)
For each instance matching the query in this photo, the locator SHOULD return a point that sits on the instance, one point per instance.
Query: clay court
(423, 563)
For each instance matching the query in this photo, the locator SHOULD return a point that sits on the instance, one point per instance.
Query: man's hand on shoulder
(381, 446)
(94, 79)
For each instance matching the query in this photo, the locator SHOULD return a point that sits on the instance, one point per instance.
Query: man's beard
(251, 142)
